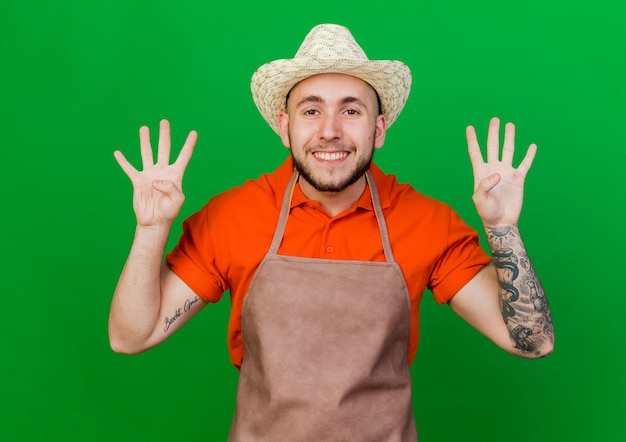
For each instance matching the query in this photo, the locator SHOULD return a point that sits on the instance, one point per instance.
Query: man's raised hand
(158, 188)
(498, 186)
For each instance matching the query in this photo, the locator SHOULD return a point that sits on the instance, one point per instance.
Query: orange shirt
(222, 244)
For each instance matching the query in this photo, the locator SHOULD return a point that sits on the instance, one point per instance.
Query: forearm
(136, 302)
(523, 303)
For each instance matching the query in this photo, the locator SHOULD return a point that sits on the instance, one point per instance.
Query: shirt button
(329, 249)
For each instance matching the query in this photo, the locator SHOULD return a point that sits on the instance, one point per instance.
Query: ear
(381, 131)
(283, 128)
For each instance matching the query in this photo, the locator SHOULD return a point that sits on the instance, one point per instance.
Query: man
(326, 258)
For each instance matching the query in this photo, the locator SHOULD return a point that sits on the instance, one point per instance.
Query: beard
(333, 187)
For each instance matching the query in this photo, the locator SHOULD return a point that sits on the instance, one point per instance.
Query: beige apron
(325, 347)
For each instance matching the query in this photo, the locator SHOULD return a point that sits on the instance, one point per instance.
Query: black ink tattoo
(508, 271)
(499, 234)
(190, 303)
(170, 321)
(540, 304)
(179, 312)
(523, 303)
(521, 338)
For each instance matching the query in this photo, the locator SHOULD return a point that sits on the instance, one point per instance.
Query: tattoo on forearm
(179, 312)
(190, 302)
(523, 303)
(508, 271)
(498, 235)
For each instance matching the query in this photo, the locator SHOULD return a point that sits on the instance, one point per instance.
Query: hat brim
(272, 82)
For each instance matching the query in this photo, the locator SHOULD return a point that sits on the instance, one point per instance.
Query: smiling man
(332, 136)
(327, 257)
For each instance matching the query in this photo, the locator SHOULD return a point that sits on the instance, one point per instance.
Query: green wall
(78, 78)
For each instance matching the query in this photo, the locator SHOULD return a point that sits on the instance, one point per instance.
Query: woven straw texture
(329, 48)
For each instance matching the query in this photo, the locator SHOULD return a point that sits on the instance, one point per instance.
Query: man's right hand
(149, 294)
(158, 188)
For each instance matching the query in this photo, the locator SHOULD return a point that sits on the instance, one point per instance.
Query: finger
(485, 186)
(185, 153)
(169, 189)
(508, 149)
(473, 148)
(493, 140)
(164, 143)
(528, 159)
(146, 149)
(128, 168)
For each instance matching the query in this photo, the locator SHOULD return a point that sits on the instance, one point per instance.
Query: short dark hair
(380, 105)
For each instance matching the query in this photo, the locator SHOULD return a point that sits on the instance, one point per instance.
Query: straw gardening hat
(329, 49)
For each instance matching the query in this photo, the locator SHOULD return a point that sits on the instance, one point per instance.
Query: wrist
(500, 227)
(153, 229)
(154, 236)
(502, 235)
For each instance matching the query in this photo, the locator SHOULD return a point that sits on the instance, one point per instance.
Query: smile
(330, 156)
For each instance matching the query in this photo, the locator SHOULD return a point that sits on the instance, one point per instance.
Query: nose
(330, 128)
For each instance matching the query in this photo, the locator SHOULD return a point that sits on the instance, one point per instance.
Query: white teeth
(330, 156)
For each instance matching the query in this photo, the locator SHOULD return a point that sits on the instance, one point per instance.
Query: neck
(334, 202)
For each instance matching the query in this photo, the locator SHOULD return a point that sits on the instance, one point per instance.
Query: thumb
(485, 186)
(169, 189)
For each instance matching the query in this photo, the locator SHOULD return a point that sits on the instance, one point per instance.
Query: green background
(77, 79)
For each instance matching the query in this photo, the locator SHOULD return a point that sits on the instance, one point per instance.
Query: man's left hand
(498, 186)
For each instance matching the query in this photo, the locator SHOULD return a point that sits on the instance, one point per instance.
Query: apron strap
(378, 211)
(382, 224)
(284, 213)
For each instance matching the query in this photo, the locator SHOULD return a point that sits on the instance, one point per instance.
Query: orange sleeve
(193, 258)
(461, 260)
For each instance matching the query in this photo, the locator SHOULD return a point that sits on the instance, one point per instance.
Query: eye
(352, 112)
(311, 112)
